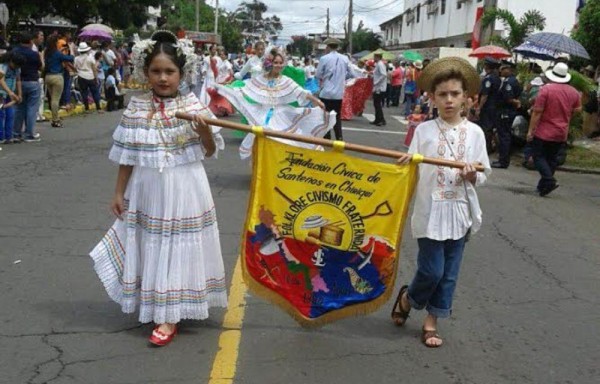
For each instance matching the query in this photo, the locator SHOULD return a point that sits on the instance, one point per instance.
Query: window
(418, 13)
(459, 5)
(443, 7)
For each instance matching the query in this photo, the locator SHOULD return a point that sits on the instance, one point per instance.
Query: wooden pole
(324, 142)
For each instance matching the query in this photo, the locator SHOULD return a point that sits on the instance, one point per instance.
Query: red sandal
(160, 338)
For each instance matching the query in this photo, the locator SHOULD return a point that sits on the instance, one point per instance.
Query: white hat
(418, 64)
(537, 82)
(559, 73)
(83, 47)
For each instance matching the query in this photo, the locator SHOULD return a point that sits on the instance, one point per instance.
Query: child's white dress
(165, 256)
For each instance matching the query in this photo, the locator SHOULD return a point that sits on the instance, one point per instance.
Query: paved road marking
(401, 119)
(368, 116)
(372, 130)
(225, 363)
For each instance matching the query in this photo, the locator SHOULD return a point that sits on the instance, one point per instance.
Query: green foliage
(518, 30)
(364, 39)
(116, 13)
(300, 46)
(250, 16)
(581, 83)
(183, 16)
(588, 31)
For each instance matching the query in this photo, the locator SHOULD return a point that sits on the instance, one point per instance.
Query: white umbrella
(99, 27)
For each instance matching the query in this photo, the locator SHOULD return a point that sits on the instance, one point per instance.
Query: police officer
(510, 90)
(489, 98)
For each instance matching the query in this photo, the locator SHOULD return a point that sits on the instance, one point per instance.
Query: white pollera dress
(165, 256)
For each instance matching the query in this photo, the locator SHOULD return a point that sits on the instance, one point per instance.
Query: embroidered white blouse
(441, 210)
(149, 134)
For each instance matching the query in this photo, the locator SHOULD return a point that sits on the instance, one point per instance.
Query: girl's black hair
(165, 43)
(13, 57)
(51, 46)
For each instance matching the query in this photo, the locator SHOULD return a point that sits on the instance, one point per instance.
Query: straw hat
(332, 41)
(418, 64)
(458, 64)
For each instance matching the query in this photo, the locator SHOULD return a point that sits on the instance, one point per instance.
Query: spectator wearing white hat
(87, 72)
(549, 125)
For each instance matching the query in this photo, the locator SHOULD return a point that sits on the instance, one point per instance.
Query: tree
(116, 13)
(250, 17)
(518, 30)
(300, 46)
(183, 15)
(364, 39)
(587, 32)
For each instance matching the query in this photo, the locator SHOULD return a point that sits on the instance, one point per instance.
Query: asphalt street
(526, 308)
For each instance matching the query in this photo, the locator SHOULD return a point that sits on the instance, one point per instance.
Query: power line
(367, 10)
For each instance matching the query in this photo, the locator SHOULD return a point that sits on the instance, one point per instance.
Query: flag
(477, 30)
(323, 229)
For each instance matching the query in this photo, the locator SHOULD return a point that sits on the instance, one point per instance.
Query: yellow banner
(323, 230)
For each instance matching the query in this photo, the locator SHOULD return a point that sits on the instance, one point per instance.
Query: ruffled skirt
(165, 255)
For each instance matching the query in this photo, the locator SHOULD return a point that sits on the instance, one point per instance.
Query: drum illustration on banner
(323, 229)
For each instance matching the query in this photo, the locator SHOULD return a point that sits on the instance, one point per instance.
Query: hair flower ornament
(184, 49)
(268, 63)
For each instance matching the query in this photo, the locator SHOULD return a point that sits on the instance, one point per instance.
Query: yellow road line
(224, 366)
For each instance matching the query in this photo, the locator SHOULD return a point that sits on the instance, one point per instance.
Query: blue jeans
(545, 158)
(438, 264)
(7, 119)
(26, 111)
(86, 86)
(65, 97)
(409, 102)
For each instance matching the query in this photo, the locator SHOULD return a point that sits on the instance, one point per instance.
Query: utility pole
(350, 11)
(197, 15)
(327, 22)
(217, 17)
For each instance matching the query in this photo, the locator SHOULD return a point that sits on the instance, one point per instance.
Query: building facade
(450, 23)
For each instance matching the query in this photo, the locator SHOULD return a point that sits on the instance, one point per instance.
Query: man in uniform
(510, 90)
(489, 98)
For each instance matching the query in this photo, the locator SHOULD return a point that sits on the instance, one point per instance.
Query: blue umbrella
(530, 50)
(558, 43)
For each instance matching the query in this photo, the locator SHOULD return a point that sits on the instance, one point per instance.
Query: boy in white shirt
(446, 207)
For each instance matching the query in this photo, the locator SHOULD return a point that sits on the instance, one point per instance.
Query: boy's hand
(469, 173)
(404, 159)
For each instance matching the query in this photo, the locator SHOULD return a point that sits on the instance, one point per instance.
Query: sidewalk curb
(588, 171)
(565, 168)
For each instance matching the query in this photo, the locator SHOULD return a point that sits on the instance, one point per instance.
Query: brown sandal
(399, 316)
(428, 335)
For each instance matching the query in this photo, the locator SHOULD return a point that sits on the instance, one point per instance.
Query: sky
(299, 19)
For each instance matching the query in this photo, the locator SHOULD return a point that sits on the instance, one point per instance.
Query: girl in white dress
(271, 100)
(254, 64)
(163, 253)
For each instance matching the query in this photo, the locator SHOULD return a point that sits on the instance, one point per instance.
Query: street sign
(203, 37)
(3, 14)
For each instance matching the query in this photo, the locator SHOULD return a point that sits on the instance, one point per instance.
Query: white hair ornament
(184, 47)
